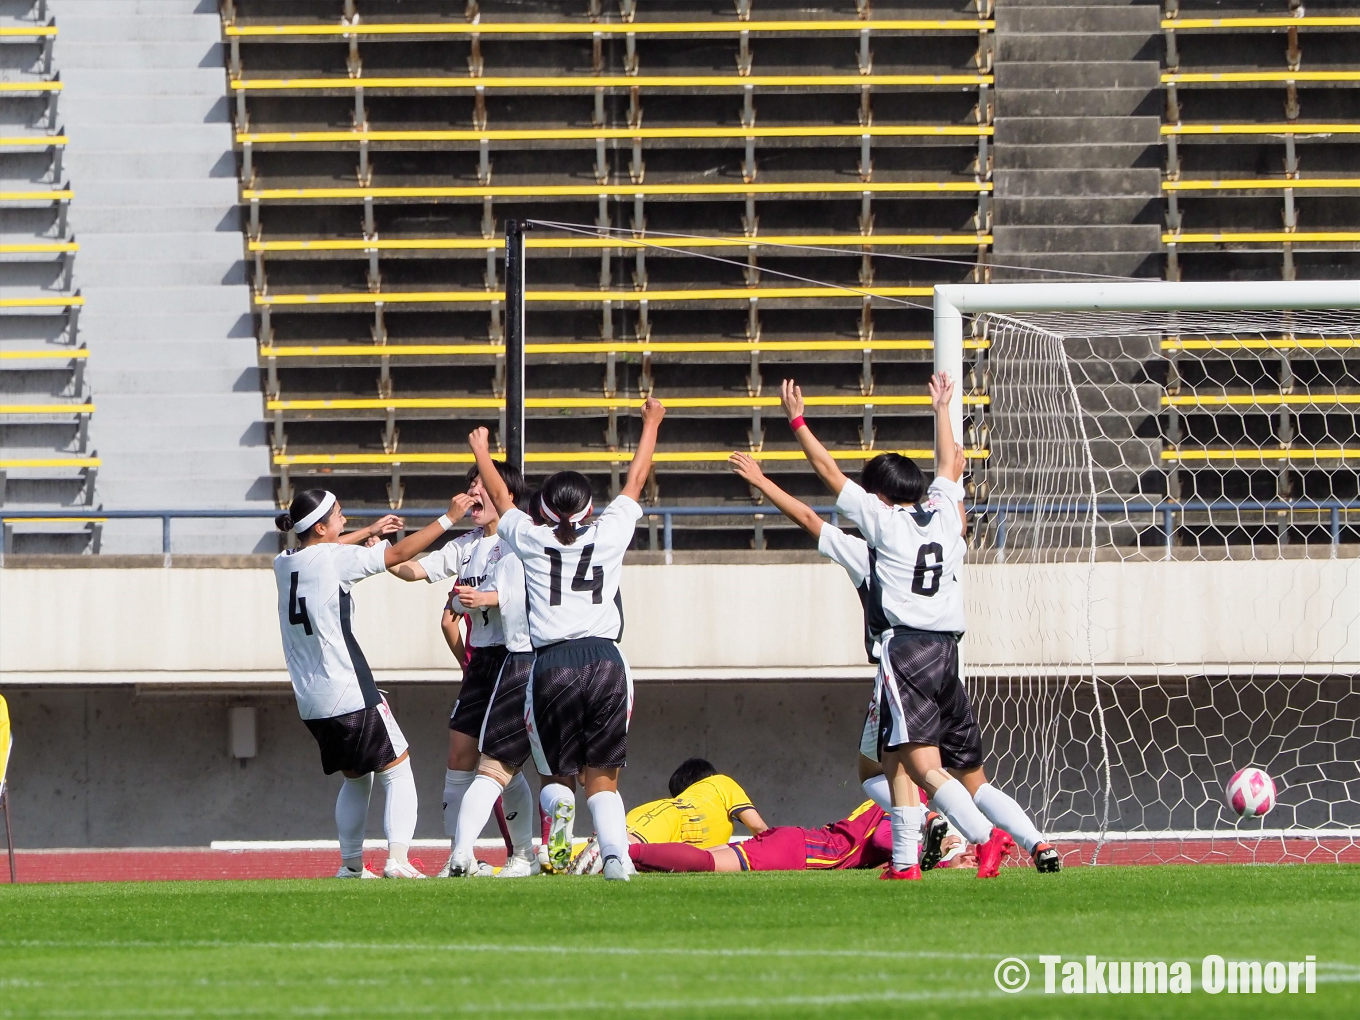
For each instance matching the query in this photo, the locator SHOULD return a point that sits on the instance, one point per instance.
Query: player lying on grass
(920, 723)
(700, 811)
(336, 694)
(580, 694)
(854, 555)
(863, 840)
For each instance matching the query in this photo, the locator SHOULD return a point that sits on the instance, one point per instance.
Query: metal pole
(514, 343)
(9, 836)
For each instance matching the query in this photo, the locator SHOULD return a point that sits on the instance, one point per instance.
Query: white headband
(319, 514)
(575, 518)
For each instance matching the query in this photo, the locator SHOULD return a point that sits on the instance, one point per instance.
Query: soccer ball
(1251, 793)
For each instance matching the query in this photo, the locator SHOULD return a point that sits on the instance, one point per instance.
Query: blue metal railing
(1110, 513)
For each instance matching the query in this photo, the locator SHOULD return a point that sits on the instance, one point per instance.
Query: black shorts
(479, 680)
(919, 699)
(505, 735)
(360, 742)
(580, 701)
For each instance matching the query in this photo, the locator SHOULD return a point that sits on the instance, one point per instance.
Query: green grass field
(774, 945)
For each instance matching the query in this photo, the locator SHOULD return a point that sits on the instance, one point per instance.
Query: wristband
(446, 523)
(797, 423)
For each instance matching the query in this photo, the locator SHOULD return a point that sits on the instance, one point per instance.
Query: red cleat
(912, 874)
(990, 853)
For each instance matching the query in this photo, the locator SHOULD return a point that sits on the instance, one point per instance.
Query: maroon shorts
(783, 848)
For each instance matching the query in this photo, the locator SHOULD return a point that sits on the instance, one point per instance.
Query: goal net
(1164, 585)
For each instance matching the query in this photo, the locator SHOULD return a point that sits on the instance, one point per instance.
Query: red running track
(159, 864)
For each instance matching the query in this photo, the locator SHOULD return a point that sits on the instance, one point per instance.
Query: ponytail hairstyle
(510, 475)
(303, 506)
(894, 477)
(565, 501)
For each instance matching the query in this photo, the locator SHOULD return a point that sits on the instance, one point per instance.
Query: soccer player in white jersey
(337, 696)
(920, 723)
(475, 560)
(580, 691)
(855, 556)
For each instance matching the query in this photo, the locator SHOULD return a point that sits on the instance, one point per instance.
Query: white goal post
(1164, 573)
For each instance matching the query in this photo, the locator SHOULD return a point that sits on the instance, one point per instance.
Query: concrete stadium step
(1076, 75)
(1057, 46)
(142, 55)
(169, 137)
(1074, 267)
(1097, 182)
(152, 323)
(153, 377)
(173, 220)
(91, 111)
(210, 353)
(1119, 155)
(1071, 239)
(1066, 102)
(1070, 130)
(101, 300)
(176, 273)
(162, 28)
(112, 84)
(1074, 18)
(214, 161)
(157, 193)
(1097, 210)
(167, 247)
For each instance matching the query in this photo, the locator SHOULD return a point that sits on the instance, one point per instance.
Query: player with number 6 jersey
(580, 692)
(920, 722)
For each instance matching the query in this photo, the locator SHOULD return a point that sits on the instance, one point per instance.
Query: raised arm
(419, 541)
(411, 570)
(948, 462)
(492, 482)
(652, 413)
(822, 462)
(388, 524)
(794, 509)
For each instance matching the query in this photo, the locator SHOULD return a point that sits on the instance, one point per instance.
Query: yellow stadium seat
(1311, 128)
(616, 190)
(618, 134)
(1262, 343)
(1265, 184)
(1263, 455)
(486, 297)
(45, 410)
(1265, 400)
(598, 347)
(1256, 77)
(557, 83)
(32, 142)
(596, 403)
(331, 460)
(800, 26)
(1309, 21)
(364, 246)
(1261, 237)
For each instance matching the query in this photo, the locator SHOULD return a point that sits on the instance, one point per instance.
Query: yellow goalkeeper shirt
(701, 816)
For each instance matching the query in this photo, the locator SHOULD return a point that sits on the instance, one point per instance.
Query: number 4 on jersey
(297, 608)
(579, 582)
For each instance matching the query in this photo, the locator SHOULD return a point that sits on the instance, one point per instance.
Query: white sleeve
(355, 562)
(850, 552)
(944, 496)
(441, 564)
(867, 512)
(614, 528)
(516, 527)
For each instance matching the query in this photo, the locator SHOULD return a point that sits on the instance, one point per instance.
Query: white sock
(952, 798)
(478, 803)
(399, 813)
(551, 796)
(611, 826)
(520, 816)
(456, 783)
(906, 836)
(351, 813)
(879, 790)
(1006, 814)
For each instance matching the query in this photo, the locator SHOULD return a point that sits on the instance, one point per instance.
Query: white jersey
(476, 560)
(857, 558)
(574, 589)
(316, 615)
(917, 553)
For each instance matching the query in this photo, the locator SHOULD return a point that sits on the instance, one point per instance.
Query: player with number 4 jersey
(920, 723)
(580, 691)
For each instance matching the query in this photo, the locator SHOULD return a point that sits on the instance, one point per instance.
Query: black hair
(304, 503)
(536, 508)
(690, 772)
(895, 477)
(510, 475)
(565, 493)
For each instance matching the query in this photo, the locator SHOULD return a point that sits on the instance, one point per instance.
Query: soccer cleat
(588, 862)
(541, 852)
(519, 867)
(990, 853)
(559, 838)
(932, 845)
(405, 869)
(1046, 859)
(346, 872)
(912, 874)
(614, 871)
(466, 868)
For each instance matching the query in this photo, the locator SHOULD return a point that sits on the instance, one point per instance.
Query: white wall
(787, 619)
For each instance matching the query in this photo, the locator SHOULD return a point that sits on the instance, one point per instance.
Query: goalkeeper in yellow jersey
(700, 811)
